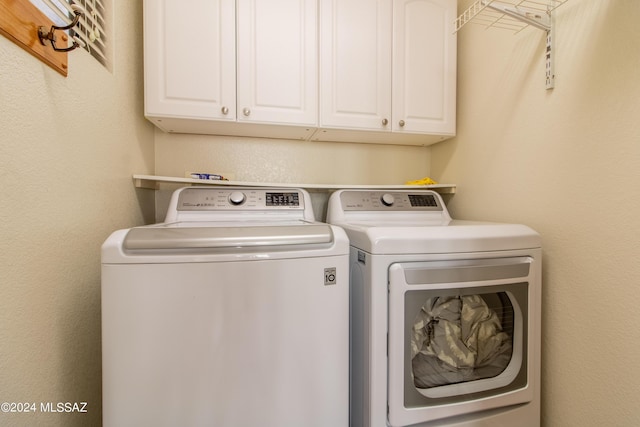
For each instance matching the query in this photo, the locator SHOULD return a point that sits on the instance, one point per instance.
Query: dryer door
(459, 337)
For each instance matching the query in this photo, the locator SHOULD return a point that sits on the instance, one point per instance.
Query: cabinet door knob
(246, 112)
(385, 122)
(401, 123)
(225, 110)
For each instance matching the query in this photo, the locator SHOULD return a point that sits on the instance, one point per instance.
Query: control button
(237, 198)
(387, 199)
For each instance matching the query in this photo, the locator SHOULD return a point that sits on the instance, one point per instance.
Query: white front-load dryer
(444, 314)
(231, 313)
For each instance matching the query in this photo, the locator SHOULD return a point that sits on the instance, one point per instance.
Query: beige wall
(68, 148)
(282, 161)
(566, 162)
(287, 161)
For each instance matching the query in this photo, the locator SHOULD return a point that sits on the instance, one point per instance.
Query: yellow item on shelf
(423, 181)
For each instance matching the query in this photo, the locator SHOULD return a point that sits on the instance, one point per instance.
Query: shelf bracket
(538, 19)
(515, 16)
(550, 73)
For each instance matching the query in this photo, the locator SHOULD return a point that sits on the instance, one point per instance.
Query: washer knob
(237, 198)
(387, 199)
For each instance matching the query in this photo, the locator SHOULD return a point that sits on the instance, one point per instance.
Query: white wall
(68, 148)
(566, 162)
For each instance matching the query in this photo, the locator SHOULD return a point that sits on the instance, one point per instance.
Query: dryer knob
(237, 198)
(387, 199)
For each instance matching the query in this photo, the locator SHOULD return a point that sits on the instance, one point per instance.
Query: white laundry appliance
(231, 313)
(445, 314)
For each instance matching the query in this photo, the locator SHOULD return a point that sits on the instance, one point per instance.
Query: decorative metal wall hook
(49, 35)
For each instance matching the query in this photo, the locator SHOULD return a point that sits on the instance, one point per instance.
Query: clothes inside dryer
(464, 343)
(461, 338)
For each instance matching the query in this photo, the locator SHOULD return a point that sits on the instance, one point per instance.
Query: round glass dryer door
(464, 342)
(458, 336)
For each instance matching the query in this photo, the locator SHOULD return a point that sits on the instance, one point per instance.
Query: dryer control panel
(390, 200)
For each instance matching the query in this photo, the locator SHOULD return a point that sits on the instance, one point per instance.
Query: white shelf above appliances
(153, 182)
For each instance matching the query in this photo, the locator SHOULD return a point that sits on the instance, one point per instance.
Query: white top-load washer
(231, 313)
(445, 314)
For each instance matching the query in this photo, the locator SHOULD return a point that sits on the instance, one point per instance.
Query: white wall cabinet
(380, 71)
(278, 61)
(228, 67)
(355, 64)
(388, 74)
(189, 60)
(424, 73)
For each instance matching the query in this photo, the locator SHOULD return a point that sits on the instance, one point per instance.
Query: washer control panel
(390, 200)
(211, 199)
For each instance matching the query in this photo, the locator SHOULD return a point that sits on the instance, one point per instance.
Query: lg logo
(330, 276)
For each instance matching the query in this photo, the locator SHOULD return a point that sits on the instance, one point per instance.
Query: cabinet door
(277, 61)
(355, 64)
(424, 61)
(189, 58)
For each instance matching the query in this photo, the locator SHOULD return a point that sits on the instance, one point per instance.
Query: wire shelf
(511, 15)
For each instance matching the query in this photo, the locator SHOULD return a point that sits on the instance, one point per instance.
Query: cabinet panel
(183, 77)
(424, 52)
(277, 61)
(355, 63)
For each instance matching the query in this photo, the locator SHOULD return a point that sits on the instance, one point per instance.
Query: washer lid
(201, 236)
